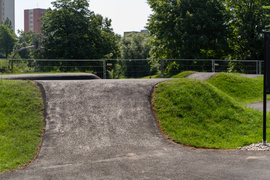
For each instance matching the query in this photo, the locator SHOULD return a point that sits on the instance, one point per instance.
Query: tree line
(220, 29)
(179, 29)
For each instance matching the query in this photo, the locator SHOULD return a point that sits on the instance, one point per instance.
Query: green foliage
(7, 40)
(25, 40)
(72, 31)
(7, 22)
(136, 46)
(4, 64)
(191, 29)
(188, 29)
(21, 123)
(242, 89)
(198, 114)
(115, 72)
(249, 19)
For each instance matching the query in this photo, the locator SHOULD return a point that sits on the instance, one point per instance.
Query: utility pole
(266, 80)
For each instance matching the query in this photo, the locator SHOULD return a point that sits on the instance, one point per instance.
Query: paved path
(203, 76)
(259, 106)
(251, 75)
(54, 76)
(105, 129)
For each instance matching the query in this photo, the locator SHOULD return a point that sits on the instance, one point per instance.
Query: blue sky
(126, 15)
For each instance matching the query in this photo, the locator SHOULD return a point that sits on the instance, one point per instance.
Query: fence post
(104, 69)
(257, 67)
(213, 66)
(260, 67)
(35, 65)
(162, 68)
(12, 65)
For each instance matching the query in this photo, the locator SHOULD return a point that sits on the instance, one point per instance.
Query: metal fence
(130, 68)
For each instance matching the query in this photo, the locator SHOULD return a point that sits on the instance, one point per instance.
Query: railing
(130, 68)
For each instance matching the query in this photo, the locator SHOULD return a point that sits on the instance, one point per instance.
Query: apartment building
(31, 20)
(7, 10)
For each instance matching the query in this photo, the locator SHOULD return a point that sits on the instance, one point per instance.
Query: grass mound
(21, 123)
(242, 89)
(198, 114)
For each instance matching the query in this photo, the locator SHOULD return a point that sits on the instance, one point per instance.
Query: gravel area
(256, 147)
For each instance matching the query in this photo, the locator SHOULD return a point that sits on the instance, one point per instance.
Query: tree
(7, 40)
(189, 29)
(24, 40)
(249, 19)
(136, 46)
(7, 22)
(72, 31)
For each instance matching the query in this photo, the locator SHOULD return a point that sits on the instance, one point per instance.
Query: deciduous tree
(249, 19)
(24, 40)
(136, 46)
(188, 28)
(72, 31)
(7, 40)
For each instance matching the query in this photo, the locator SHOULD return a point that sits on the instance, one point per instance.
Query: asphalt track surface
(105, 129)
(203, 76)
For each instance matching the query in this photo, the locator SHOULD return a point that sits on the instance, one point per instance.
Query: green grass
(183, 74)
(21, 123)
(179, 75)
(242, 89)
(199, 114)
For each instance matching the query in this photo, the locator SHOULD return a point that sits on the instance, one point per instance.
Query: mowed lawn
(21, 123)
(210, 114)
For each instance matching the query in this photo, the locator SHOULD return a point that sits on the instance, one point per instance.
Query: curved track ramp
(105, 129)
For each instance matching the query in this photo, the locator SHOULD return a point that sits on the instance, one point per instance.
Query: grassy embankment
(21, 123)
(210, 114)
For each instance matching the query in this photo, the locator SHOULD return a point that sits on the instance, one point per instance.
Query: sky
(126, 15)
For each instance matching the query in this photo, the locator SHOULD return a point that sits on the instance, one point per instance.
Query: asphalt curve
(105, 129)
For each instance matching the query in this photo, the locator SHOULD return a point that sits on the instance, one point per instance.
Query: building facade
(7, 10)
(136, 32)
(31, 20)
